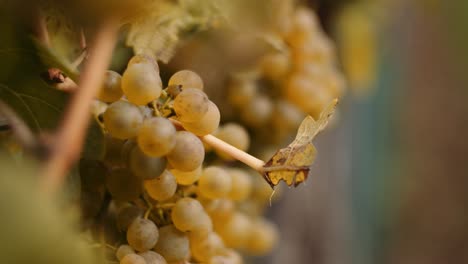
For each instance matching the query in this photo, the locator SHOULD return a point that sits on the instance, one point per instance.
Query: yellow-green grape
(286, 119)
(186, 78)
(173, 245)
(122, 119)
(236, 231)
(113, 147)
(258, 111)
(263, 237)
(274, 66)
(144, 166)
(304, 25)
(186, 214)
(191, 105)
(215, 182)
(335, 83)
(156, 137)
(123, 185)
(307, 94)
(161, 188)
(124, 250)
(132, 259)
(152, 257)
(219, 210)
(228, 256)
(98, 108)
(317, 51)
(146, 111)
(235, 135)
(187, 177)
(142, 234)
(111, 89)
(188, 153)
(126, 215)
(241, 184)
(205, 247)
(141, 84)
(145, 59)
(207, 124)
(241, 91)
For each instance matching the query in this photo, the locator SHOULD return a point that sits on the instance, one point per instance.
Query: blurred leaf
(292, 164)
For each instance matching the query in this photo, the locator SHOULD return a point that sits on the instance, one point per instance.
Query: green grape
(241, 184)
(145, 59)
(111, 89)
(92, 174)
(141, 84)
(126, 215)
(122, 119)
(152, 257)
(215, 182)
(113, 147)
(186, 214)
(142, 234)
(304, 26)
(228, 256)
(306, 94)
(132, 259)
(187, 177)
(287, 116)
(173, 245)
(235, 135)
(162, 187)
(144, 166)
(188, 153)
(258, 111)
(146, 111)
(235, 231)
(123, 185)
(205, 247)
(124, 250)
(157, 136)
(263, 237)
(191, 105)
(186, 78)
(207, 124)
(219, 210)
(275, 66)
(98, 108)
(241, 91)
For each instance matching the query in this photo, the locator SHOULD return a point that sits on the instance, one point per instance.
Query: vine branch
(72, 131)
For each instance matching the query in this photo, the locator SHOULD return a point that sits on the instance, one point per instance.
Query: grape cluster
(163, 202)
(298, 80)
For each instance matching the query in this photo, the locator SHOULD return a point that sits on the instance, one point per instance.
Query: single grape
(123, 185)
(141, 84)
(157, 136)
(145, 59)
(241, 184)
(186, 213)
(124, 250)
(144, 166)
(111, 89)
(132, 259)
(219, 210)
(173, 245)
(207, 124)
(228, 256)
(186, 78)
(241, 91)
(122, 119)
(215, 182)
(258, 111)
(162, 187)
(235, 135)
(191, 105)
(113, 146)
(275, 66)
(188, 153)
(152, 257)
(263, 237)
(126, 214)
(236, 231)
(205, 247)
(98, 108)
(142, 234)
(92, 174)
(187, 177)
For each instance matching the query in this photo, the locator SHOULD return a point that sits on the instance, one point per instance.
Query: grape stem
(70, 135)
(233, 152)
